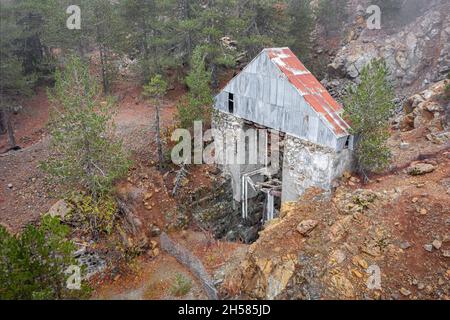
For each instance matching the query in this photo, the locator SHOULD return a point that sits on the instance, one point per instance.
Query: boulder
(155, 231)
(426, 109)
(342, 286)
(306, 226)
(437, 244)
(417, 169)
(249, 235)
(267, 278)
(60, 209)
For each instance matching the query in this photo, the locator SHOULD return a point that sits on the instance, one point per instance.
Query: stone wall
(222, 121)
(308, 165)
(225, 123)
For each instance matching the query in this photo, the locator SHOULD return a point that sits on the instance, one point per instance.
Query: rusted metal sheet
(277, 91)
(309, 87)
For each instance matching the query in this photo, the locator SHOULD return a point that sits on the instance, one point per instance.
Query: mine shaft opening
(221, 211)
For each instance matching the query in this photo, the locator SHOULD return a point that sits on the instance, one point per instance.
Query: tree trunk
(103, 54)
(185, 14)
(212, 42)
(103, 62)
(146, 35)
(158, 138)
(10, 129)
(214, 79)
(2, 122)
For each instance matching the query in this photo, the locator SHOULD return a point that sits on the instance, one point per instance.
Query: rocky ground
(153, 277)
(23, 189)
(323, 248)
(29, 120)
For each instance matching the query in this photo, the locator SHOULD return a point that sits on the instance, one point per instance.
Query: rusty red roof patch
(310, 88)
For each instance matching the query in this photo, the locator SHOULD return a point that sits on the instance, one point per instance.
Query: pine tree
(101, 30)
(332, 14)
(107, 33)
(205, 23)
(368, 107)
(213, 27)
(265, 24)
(186, 27)
(196, 107)
(86, 154)
(156, 89)
(150, 34)
(42, 26)
(301, 26)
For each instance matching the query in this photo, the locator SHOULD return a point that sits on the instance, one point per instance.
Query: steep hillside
(323, 249)
(415, 42)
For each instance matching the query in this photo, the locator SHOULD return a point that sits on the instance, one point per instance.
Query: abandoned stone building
(276, 92)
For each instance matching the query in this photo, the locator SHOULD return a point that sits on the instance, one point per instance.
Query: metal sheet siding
(264, 94)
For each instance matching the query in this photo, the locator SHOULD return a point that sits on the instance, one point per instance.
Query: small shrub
(364, 199)
(181, 286)
(190, 110)
(33, 264)
(94, 216)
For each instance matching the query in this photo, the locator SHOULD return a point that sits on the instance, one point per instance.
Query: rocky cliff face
(417, 49)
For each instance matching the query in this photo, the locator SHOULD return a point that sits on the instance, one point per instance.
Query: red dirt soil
(29, 123)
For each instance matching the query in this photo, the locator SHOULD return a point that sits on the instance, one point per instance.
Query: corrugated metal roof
(309, 87)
